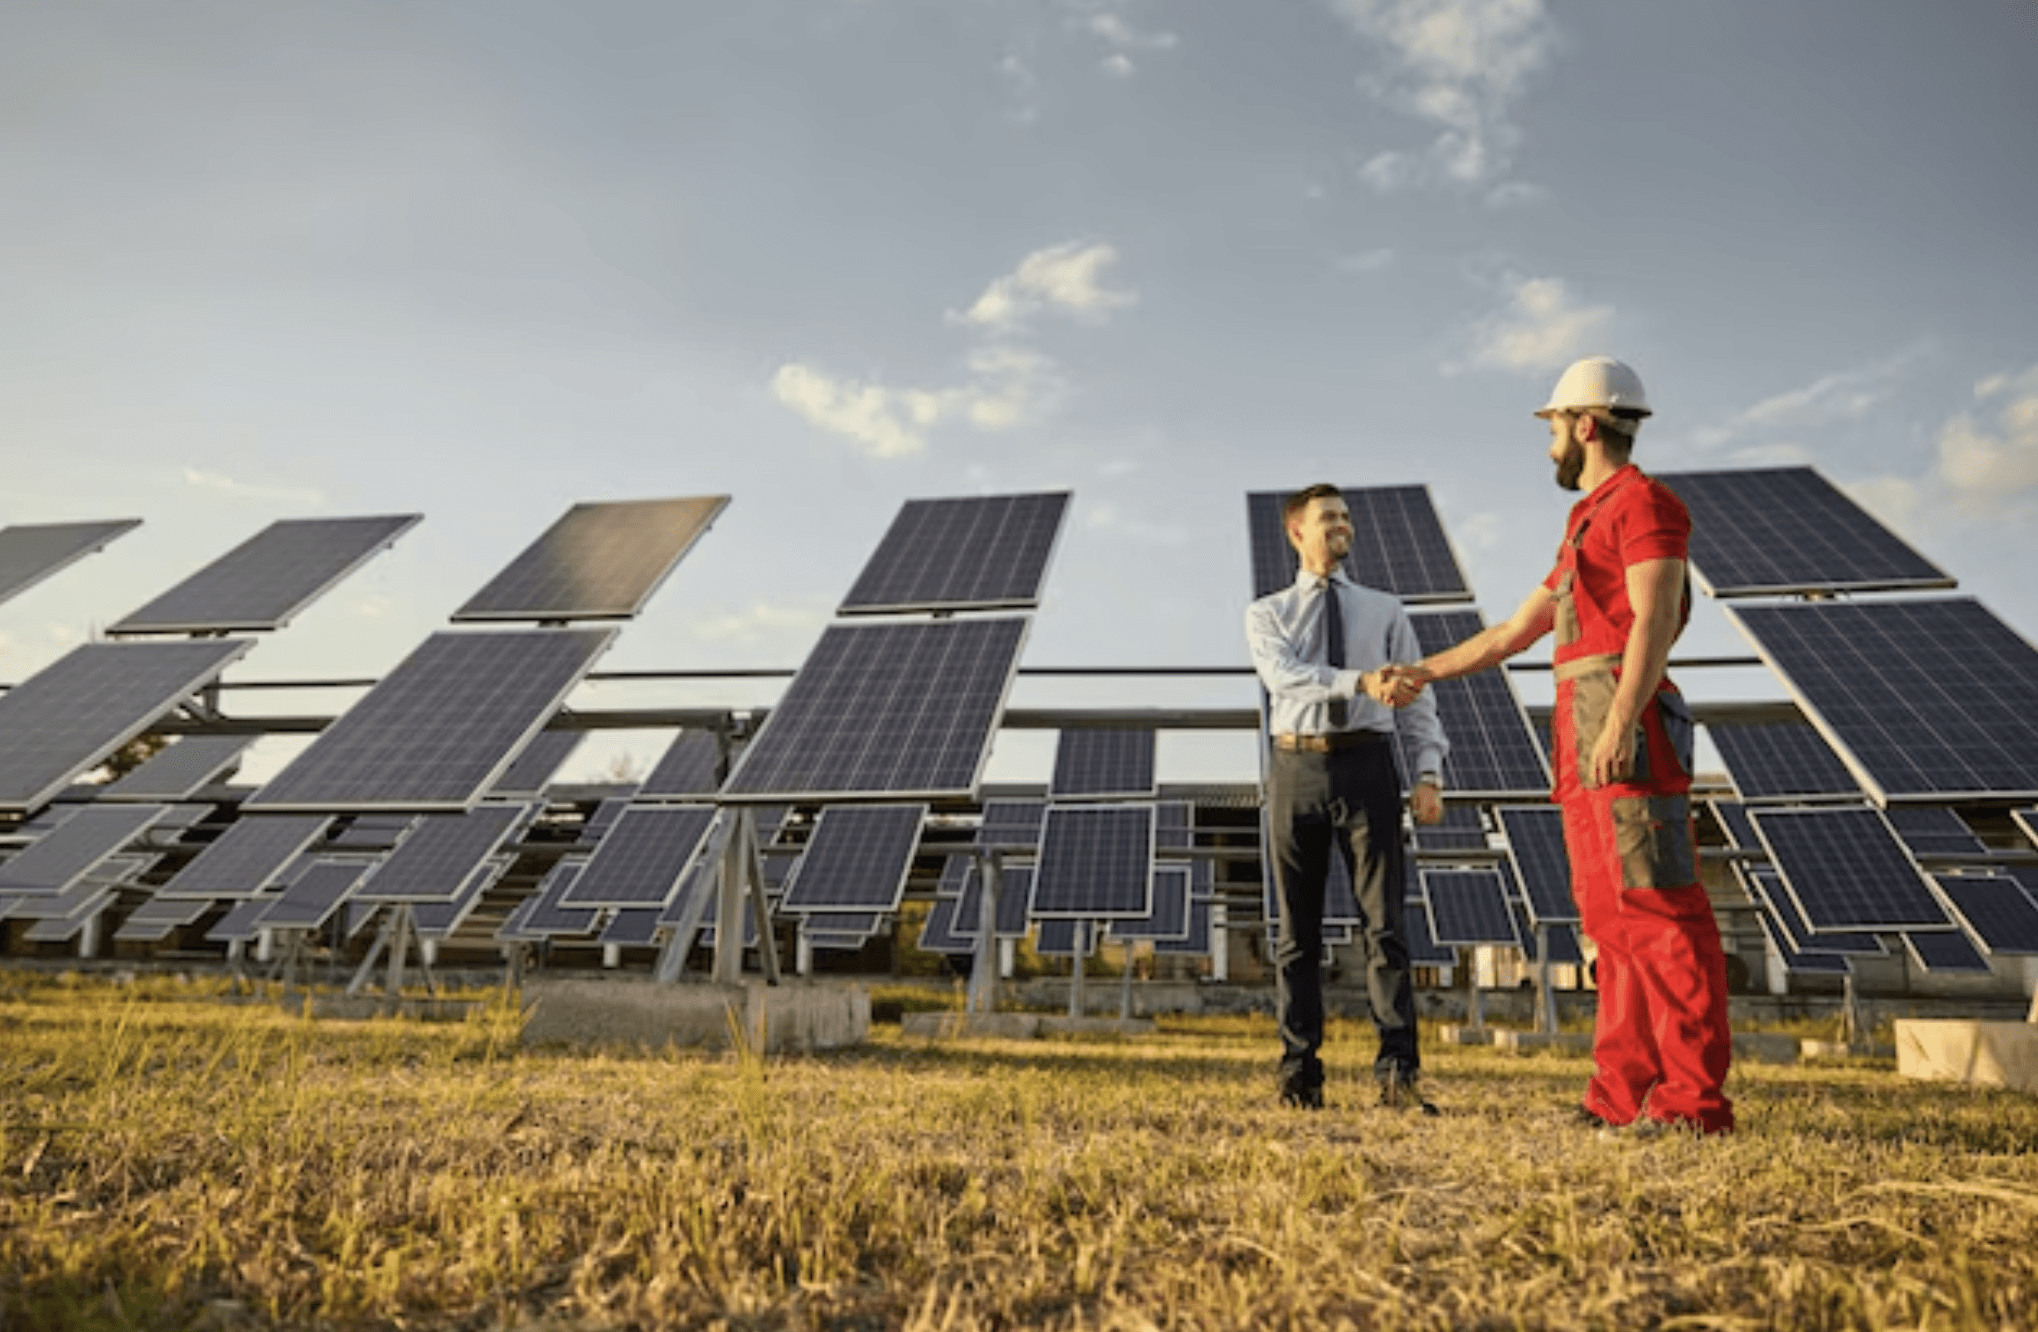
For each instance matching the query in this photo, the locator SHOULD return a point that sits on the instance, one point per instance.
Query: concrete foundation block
(1521, 1042)
(963, 1026)
(1765, 1047)
(1979, 1054)
(1455, 1034)
(628, 1010)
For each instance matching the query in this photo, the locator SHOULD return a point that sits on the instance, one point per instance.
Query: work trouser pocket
(1653, 836)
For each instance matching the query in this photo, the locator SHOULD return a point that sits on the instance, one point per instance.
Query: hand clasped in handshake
(1396, 685)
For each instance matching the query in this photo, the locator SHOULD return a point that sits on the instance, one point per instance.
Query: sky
(481, 261)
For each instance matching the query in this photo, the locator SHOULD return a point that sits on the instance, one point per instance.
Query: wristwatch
(1431, 779)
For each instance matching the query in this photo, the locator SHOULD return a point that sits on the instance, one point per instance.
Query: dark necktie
(1334, 646)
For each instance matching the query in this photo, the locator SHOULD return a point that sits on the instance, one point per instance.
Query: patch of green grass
(171, 1160)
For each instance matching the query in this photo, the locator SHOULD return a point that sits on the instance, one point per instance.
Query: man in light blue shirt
(1332, 783)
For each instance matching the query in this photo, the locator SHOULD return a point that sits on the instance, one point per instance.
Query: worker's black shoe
(1402, 1090)
(1302, 1098)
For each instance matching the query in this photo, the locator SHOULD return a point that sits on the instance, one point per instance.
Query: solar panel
(534, 767)
(1174, 827)
(640, 860)
(441, 727)
(159, 917)
(1774, 530)
(1423, 948)
(551, 917)
(903, 710)
(1169, 918)
(1468, 907)
(1765, 889)
(312, 897)
(1802, 963)
(1925, 699)
(1461, 829)
(598, 562)
(634, 927)
(1103, 765)
(1011, 823)
(1782, 761)
(1934, 832)
(840, 931)
(443, 855)
(1946, 952)
(1535, 847)
(90, 901)
(1738, 826)
(246, 858)
(74, 848)
(686, 769)
(31, 552)
(980, 553)
(180, 768)
(1998, 909)
(857, 859)
(67, 717)
(1398, 544)
(267, 579)
(601, 819)
(1195, 941)
(1564, 947)
(1015, 903)
(1096, 862)
(1064, 938)
(240, 923)
(1845, 870)
(1494, 753)
(375, 831)
(937, 933)
(439, 920)
(2027, 819)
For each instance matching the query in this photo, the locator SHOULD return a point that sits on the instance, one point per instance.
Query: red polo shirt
(1629, 519)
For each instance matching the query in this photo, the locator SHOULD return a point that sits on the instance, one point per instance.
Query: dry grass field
(170, 1160)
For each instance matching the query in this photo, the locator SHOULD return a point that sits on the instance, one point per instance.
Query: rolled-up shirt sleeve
(1422, 732)
(1281, 668)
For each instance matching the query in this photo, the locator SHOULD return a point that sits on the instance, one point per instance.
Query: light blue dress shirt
(1284, 632)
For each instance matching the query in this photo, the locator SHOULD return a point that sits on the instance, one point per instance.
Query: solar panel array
(31, 552)
(310, 899)
(686, 770)
(549, 916)
(640, 860)
(158, 918)
(980, 553)
(1169, 918)
(1067, 937)
(443, 854)
(599, 561)
(1015, 903)
(857, 859)
(1398, 544)
(903, 710)
(1998, 909)
(1929, 831)
(937, 933)
(1423, 948)
(1460, 829)
(535, 765)
(1843, 869)
(75, 847)
(267, 579)
(1108, 764)
(440, 727)
(1494, 753)
(1925, 699)
(1096, 862)
(1739, 828)
(67, 717)
(1782, 761)
(246, 858)
(180, 768)
(1765, 889)
(1542, 865)
(1945, 952)
(1468, 907)
(1769, 531)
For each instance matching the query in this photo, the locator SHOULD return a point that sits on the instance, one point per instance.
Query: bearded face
(1570, 465)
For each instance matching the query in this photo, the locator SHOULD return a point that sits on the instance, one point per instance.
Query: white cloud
(1782, 453)
(1367, 261)
(1542, 328)
(1064, 277)
(1516, 194)
(1985, 465)
(1008, 387)
(1479, 533)
(1110, 521)
(217, 481)
(1388, 172)
(760, 622)
(1459, 63)
(1125, 37)
(1118, 65)
(1846, 395)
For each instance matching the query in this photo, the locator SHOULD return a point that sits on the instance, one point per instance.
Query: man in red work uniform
(1622, 737)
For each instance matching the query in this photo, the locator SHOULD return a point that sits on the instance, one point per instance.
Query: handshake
(1396, 685)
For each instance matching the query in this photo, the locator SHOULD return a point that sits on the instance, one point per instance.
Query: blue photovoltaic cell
(1535, 846)
(1195, 941)
(1170, 916)
(75, 847)
(1782, 761)
(1925, 699)
(2027, 819)
(1933, 832)
(31, 552)
(1063, 938)
(1468, 907)
(1011, 823)
(1997, 908)
(85, 898)
(373, 832)
(640, 860)
(1460, 830)
(686, 769)
(1103, 764)
(635, 927)
(180, 768)
(441, 727)
(1763, 531)
(241, 923)
(1174, 827)
(1423, 948)
(938, 934)
(443, 854)
(157, 918)
(67, 717)
(1494, 752)
(984, 552)
(600, 819)
(1738, 827)
(246, 858)
(1845, 870)
(599, 561)
(1398, 544)
(269, 578)
(1765, 889)
(857, 859)
(903, 710)
(311, 898)
(1015, 903)
(1945, 952)
(1096, 862)
(535, 765)
(550, 917)
(438, 920)
(1564, 948)
(1802, 963)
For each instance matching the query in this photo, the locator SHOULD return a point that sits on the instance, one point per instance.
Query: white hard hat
(1598, 381)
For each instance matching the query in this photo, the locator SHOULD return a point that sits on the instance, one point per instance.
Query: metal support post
(983, 971)
(1220, 943)
(1125, 986)
(1546, 997)
(1076, 968)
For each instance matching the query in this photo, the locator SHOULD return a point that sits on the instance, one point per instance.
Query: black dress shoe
(1303, 1098)
(1403, 1091)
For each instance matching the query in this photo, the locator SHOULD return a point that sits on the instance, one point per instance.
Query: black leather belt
(1328, 744)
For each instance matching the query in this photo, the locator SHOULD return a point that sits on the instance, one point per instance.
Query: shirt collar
(1308, 581)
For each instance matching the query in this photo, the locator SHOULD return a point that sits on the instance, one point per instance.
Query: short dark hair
(1299, 501)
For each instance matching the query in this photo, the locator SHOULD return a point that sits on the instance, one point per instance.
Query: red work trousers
(1662, 1036)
